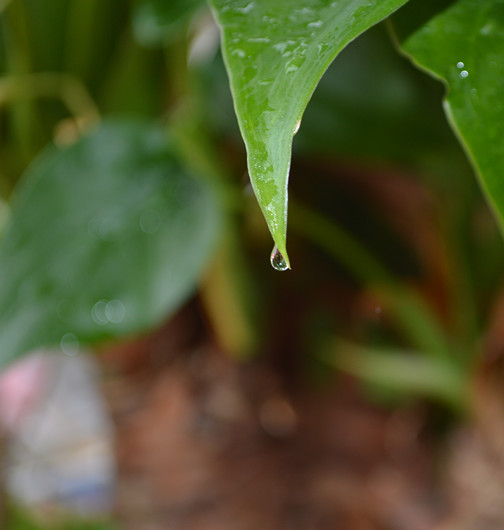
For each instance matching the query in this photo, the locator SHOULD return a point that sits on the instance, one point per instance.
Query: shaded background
(361, 390)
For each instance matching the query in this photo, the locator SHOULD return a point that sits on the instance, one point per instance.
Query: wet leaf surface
(463, 46)
(275, 53)
(106, 238)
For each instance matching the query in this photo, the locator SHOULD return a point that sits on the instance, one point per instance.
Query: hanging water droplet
(277, 260)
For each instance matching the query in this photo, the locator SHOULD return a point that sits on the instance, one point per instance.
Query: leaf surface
(106, 238)
(275, 53)
(463, 46)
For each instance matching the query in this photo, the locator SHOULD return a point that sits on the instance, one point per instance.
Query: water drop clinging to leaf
(278, 262)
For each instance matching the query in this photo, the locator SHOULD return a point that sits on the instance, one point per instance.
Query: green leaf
(401, 370)
(275, 53)
(463, 46)
(371, 88)
(416, 320)
(107, 237)
(156, 22)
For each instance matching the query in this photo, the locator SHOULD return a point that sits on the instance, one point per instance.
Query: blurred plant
(137, 202)
(21, 520)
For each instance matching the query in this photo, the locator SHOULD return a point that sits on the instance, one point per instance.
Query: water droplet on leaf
(115, 311)
(98, 313)
(105, 311)
(69, 344)
(277, 260)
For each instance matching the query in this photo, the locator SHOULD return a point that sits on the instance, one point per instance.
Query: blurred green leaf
(463, 46)
(156, 22)
(106, 238)
(275, 54)
(417, 321)
(404, 371)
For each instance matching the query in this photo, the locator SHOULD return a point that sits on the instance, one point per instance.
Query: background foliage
(142, 199)
(128, 194)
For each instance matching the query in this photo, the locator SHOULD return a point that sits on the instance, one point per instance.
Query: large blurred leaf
(463, 46)
(158, 21)
(275, 54)
(106, 238)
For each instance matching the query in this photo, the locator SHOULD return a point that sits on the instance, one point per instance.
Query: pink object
(21, 386)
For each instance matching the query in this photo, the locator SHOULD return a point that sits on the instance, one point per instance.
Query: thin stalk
(80, 39)
(60, 86)
(463, 299)
(4, 4)
(228, 300)
(17, 48)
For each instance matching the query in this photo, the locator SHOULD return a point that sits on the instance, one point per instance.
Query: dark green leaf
(463, 46)
(371, 103)
(107, 237)
(276, 53)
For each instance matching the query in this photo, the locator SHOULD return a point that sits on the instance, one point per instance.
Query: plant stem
(52, 85)
(4, 4)
(80, 40)
(18, 58)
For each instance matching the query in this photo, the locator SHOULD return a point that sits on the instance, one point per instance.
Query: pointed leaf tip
(275, 54)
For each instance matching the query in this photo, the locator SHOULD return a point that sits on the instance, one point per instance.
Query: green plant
(111, 230)
(21, 520)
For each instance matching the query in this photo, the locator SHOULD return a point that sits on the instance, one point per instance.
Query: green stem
(4, 4)
(52, 85)
(229, 300)
(463, 293)
(17, 48)
(80, 37)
